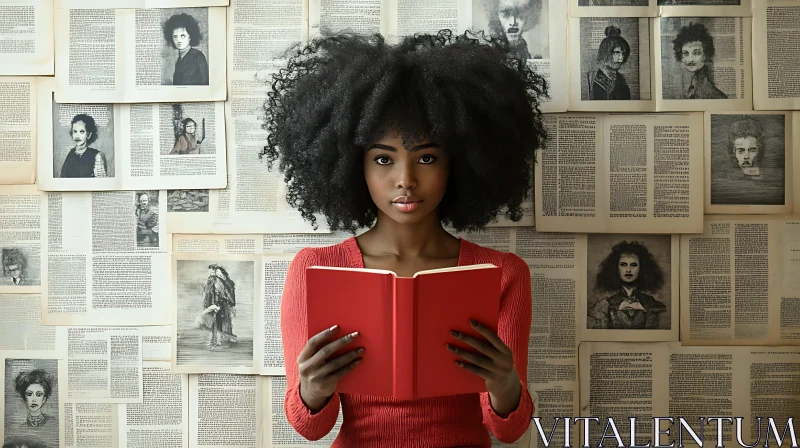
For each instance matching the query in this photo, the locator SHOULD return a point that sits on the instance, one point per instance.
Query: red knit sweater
(368, 421)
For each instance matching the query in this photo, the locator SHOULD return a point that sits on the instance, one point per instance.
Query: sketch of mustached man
(746, 147)
(607, 83)
(509, 19)
(14, 266)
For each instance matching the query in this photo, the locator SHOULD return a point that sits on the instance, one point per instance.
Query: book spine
(404, 334)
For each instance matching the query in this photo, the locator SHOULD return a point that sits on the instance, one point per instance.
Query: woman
(607, 83)
(626, 272)
(83, 160)
(35, 387)
(186, 141)
(437, 129)
(182, 32)
(219, 307)
(694, 50)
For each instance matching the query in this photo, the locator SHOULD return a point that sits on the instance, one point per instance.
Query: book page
(104, 365)
(23, 238)
(34, 419)
(613, 8)
(213, 399)
(711, 74)
(538, 36)
(21, 327)
(624, 84)
(26, 33)
(419, 16)
(89, 425)
(163, 414)
(621, 173)
(17, 130)
(157, 343)
(214, 300)
(776, 36)
(749, 163)
(137, 4)
(328, 17)
(108, 259)
(122, 55)
(742, 288)
(710, 8)
(630, 287)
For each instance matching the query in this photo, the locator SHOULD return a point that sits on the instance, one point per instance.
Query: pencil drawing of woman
(83, 160)
(219, 303)
(607, 83)
(626, 273)
(182, 32)
(34, 388)
(694, 50)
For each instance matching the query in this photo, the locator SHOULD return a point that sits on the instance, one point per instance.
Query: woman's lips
(406, 207)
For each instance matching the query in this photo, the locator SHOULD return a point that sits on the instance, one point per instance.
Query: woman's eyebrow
(393, 149)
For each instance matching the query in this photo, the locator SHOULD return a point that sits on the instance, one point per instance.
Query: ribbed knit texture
(368, 421)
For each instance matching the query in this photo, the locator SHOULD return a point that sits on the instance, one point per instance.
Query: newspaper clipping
(776, 40)
(23, 233)
(613, 8)
(26, 37)
(17, 129)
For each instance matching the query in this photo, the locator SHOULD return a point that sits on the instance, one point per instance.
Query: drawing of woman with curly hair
(182, 32)
(627, 272)
(219, 307)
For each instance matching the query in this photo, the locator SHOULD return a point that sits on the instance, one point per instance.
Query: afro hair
(338, 94)
(693, 32)
(186, 22)
(651, 277)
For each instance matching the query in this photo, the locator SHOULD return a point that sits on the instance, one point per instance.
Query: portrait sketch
(613, 2)
(185, 47)
(629, 282)
(187, 128)
(21, 266)
(523, 24)
(83, 140)
(31, 401)
(215, 312)
(183, 201)
(688, 51)
(146, 215)
(698, 2)
(748, 159)
(609, 55)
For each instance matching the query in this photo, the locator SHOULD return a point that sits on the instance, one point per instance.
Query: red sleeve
(514, 329)
(294, 328)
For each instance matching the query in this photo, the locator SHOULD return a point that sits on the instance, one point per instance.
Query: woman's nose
(407, 177)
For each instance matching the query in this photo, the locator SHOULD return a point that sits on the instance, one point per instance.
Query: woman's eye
(426, 159)
(383, 160)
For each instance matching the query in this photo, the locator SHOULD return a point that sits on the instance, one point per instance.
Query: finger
(481, 372)
(336, 375)
(474, 358)
(339, 361)
(482, 346)
(490, 335)
(325, 352)
(315, 342)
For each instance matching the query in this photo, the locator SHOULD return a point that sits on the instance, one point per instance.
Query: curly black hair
(186, 22)
(91, 127)
(466, 92)
(613, 40)
(693, 32)
(651, 277)
(36, 376)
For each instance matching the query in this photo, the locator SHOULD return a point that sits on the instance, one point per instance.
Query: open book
(404, 324)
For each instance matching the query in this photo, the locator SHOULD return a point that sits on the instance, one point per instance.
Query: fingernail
(358, 361)
(333, 328)
(473, 322)
(454, 333)
(458, 363)
(360, 350)
(450, 347)
(352, 335)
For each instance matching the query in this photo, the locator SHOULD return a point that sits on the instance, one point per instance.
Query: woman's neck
(182, 53)
(36, 413)
(426, 238)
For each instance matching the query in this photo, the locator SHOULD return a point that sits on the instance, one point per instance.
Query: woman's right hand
(319, 375)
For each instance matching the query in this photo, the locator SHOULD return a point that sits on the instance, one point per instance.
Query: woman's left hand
(494, 363)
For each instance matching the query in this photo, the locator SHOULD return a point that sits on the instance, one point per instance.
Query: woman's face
(628, 267)
(190, 127)
(34, 398)
(616, 59)
(406, 183)
(511, 15)
(79, 133)
(181, 38)
(693, 57)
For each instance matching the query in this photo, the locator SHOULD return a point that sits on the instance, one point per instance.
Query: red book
(404, 324)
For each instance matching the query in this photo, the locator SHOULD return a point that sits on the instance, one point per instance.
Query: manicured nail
(458, 363)
(360, 350)
(358, 361)
(454, 333)
(352, 335)
(450, 347)
(333, 328)
(473, 322)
